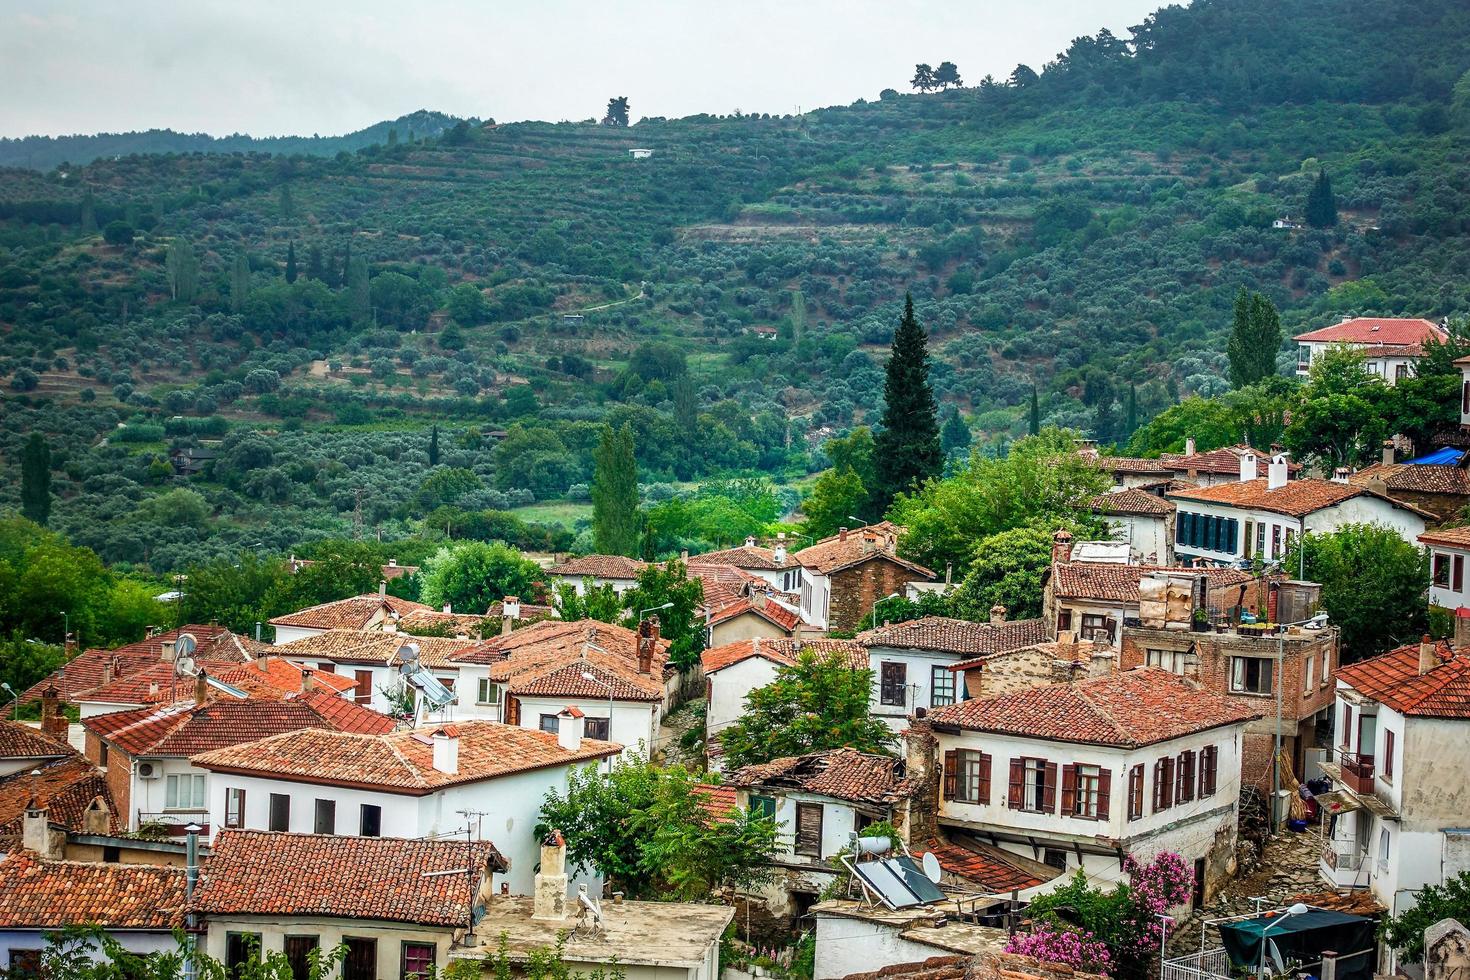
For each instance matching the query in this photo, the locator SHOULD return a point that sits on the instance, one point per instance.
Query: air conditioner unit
(148, 770)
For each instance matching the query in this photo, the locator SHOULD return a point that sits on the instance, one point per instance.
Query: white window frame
(196, 799)
(1184, 663)
(1238, 680)
(486, 687)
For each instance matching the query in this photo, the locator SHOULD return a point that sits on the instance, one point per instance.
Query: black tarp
(1303, 938)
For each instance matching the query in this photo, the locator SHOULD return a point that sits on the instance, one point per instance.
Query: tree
(835, 498)
(814, 704)
(681, 623)
(287, 203)
(1130, 416)
(1255, 337)
(1034, 422)
(1321, 203)
(615, 493)
(947, 75)
(182, 267)
(599, 602)
(954, 435)
(118, 233)
(470, 575)
(1006, 569)
(1372, 585)
(1338, 418)
(907, 450)
(855, 452)
(35, 479)
(1434, 903)
(617, 111)
(359, 293)
(290, 262)
(239, 281)
(434, 446)
(923, 79)
(1022, 76)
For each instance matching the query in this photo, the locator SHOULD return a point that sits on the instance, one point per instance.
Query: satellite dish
(185, 646)
(931, 867)
(185, 665)
(1274, 953)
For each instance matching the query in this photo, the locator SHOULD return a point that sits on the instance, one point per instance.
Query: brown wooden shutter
(1069, 790)
(984, 778)
(1017, 787)
(1135, 792)
(951, 771)
(1209, 762)
(1104, 792)
(1064, 620)
(1049, 794)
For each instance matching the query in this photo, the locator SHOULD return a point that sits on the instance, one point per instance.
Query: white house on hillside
(362, 612)
(615, 570)
(1144, 520)
(1392, 346)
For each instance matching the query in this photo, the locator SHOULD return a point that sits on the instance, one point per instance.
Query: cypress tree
(291, 262)
(314, 263)
(239, 281)
(35, 479)
(359, 293)
(1130, 422)
(907, 452)
(954, 434)
(288, 204)
(89, 215)
(434, 446)
(1035, 426)
(615, 493)
(1321, 203)
(1255, 337)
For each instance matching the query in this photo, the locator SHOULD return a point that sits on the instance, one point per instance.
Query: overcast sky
(326, 66)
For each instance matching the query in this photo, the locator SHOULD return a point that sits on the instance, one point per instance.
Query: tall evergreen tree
(686, 408)
(1130, 421)
(1255, 337)
(1321, 203)
(89, 214)
(434, 446)
(359, 293)
(290, 261)
(907, 450)
(35, 479)
(615, 493)
(1034, 426)
(182, 268)
(288, 203)
(346, 267)
(314, 262)
(239, 281)
(954, 434)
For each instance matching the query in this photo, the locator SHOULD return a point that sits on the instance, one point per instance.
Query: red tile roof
(956, 636)
(566, 681)
(990, 870)
(386, 879)
(783, 651)
(832, 555)
(1296, 498)
(1224, 461)
(843, 774)
(1415, 477)
(88, 669)
(547, 659)
(18, 741)
(777, 615)
(66, 786)
(1127, 709)
(745, 556)
(1454, 537)
(280, 674)
(344, 646)
(353, 613)
(989, 965)
(1131, 464)
(344, 714)
(1393, 679)
(403, 761)
(1119, 583)
(599, 566)
(1375, 330)
(37, 894)
(727, 576)
(1131, 503)
(717, 801)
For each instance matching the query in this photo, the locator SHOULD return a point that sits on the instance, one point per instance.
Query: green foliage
(1255, 337)
(1373, 584)
(1006, 569)
(1434, 903)
(814, 704)
(615, 493)
(1339, 417)
(35, 480)
(24, 661)
(471, 575)
(1322, 203)
(836, 496)
(599, 602)
(907, 450)
(682, 623)
(446, 486)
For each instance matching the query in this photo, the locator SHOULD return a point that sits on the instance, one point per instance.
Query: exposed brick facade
(1211, 665)
(1045, 663)
(856, 588)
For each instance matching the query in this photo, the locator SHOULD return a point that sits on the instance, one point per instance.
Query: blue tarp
(1447, 456)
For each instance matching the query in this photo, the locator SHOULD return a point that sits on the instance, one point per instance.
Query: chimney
(1061, 547)
(447, 609)
(1388, 452)
(749, 541)
(647, 644)
(550, 899)
(759, 599)
(510, 607)
(1340, 475)
(570, 724)
(392, 562)
(842, 534)
(1247, 467)
(383, 587)
(997, 614)
(684, 555)
(1189, 445)
(949, 573)
(1276, 473)
(1427, 658)
(201, 687)
(166, 651)
(153, 689)
(97, 818)
(781, 553)
(36, 833)
(308, 680)
(109, 671)
(446, 749)
(53, 722)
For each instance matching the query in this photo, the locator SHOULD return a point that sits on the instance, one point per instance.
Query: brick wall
(119, 784)
(1031, 667)
(855, 589)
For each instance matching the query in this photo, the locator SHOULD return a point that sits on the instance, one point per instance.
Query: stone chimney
(1428, 660)
(53, 722)
(392, 562)
(166, 651)
(1247, 466)
(97, 817)
(1276, 473)
(921, 771)
(510, 608)
(1061, 547)
(997, 614)
(201, 687)
(383, 587)
(842, 534)
(570, 725)
(1189, 445)
(446, 749)
(550, 899)
(1388, 452)
(759, 599)
(36, 833)
(109, 671)
(308, 680)
(1340, 475)
(647, 644)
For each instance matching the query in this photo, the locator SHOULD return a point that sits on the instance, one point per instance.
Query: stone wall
(1045, 663)
(855, 589)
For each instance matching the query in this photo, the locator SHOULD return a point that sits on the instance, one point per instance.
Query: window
(1064, 620)
(240, 948)
(892, 684)
(234, 807)
(1250, 539)
(298, 950)
(1465, 398)
(185, 791)
(941, 686)
(1250, 675)
(1261, 540)
(363, 691)
(1033, 786)
(326, 817)
(1309, 668)
(362, 959)
(25, 963)
(489, 692)
(596, 728)
(1085, 791)
(1347, 726)
(1400, 372)
(967, 776)
(1184, 777)
(1275, 540)
(549, 723)
(280, 812)
(1439, 572)
(370, 821)
(1055, 857)
(1209, 770)
(1457, 577)
(1208, 533)
(764, 806)
(102, 755)
(1135, 792)
(809, 829)
(1163, 783)
(1388, 747)
(418, 960)
(1185, 663)
(1303, 355)
(111, 854)
(1097, 627)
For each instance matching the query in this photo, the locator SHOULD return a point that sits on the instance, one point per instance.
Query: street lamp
(645, 612)
(5, 686)
(589, 676)
(65, 627)
(854, 517)
(891, 595)
(1297, 909)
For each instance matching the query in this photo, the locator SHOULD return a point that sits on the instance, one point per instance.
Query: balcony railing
(173, 822)
(1357, 772)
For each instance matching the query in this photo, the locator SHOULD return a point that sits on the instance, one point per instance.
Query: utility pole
(472, 822)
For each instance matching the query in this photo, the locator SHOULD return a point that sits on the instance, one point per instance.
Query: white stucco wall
(919, 690)
(838, 822)
(846, 946)
(634, 723)
(1367, 510)
(1150, 539)
(579, 583)
(816, 597)
(134, 942)
(285, 634)
(1447, 596)
(728, 689)
(330, 932)
(151, 795)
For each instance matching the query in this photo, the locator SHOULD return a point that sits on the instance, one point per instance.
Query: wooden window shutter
(1209, 758)
(984, 778)
(1049, 788)
(1064, 620)
(1069, 789)
(951, 771)
(1458, 578)
(1017, 786)
(1135, 792)
(1104, 792)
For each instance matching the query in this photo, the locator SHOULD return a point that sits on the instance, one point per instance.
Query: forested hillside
(439, 326)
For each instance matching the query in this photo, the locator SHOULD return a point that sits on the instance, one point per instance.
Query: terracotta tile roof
(778, 615)
(402, 761)
(1224, 461)
(345, 646)
(1415, 477)
(864, 544)
(1131, 502)
(1078, 651)
(345, 714)
(1375, 330)
(436, 622)
(529, 610)
(67, 786)
(88, 669)
(387, 879)
(275, 672)
(843, 774)
(717, 801)
(1128, 709)
(990, 870)
(1119, 583)
(956, 636)
(599, 566)
(1454, 537)
(352, 614)
(745, 556)
(388, 572)
(727, 576)
(566, 681)
(37, 894)
(1132, 464)
(18, 741)
(1297, 498)
(547, 659)
(1393, 679)
(783, 651)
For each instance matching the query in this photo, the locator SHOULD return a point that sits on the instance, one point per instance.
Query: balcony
(1354, 775)
(1357, 772)
(171, 823)
(1344, 865)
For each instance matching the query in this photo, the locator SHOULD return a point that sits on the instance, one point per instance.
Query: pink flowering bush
(1055, 944)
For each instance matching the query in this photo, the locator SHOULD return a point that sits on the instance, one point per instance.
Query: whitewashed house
(1260, 518)
(375, 659)
(1081, 775)
(362, 612)
(843, 577)
(1391, 346)
(774, 565)
(1449, 550)
(615, 570)
(1142, 519)
(408, 783)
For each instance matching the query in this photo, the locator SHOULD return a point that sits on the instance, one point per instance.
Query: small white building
(1144, 520)
(1392, 346)
(1449, 550)
(362, 612)
(774, 565)
(843, 577)
(640, 153)
(615, 570)
(1082, 775)
(375, 660)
